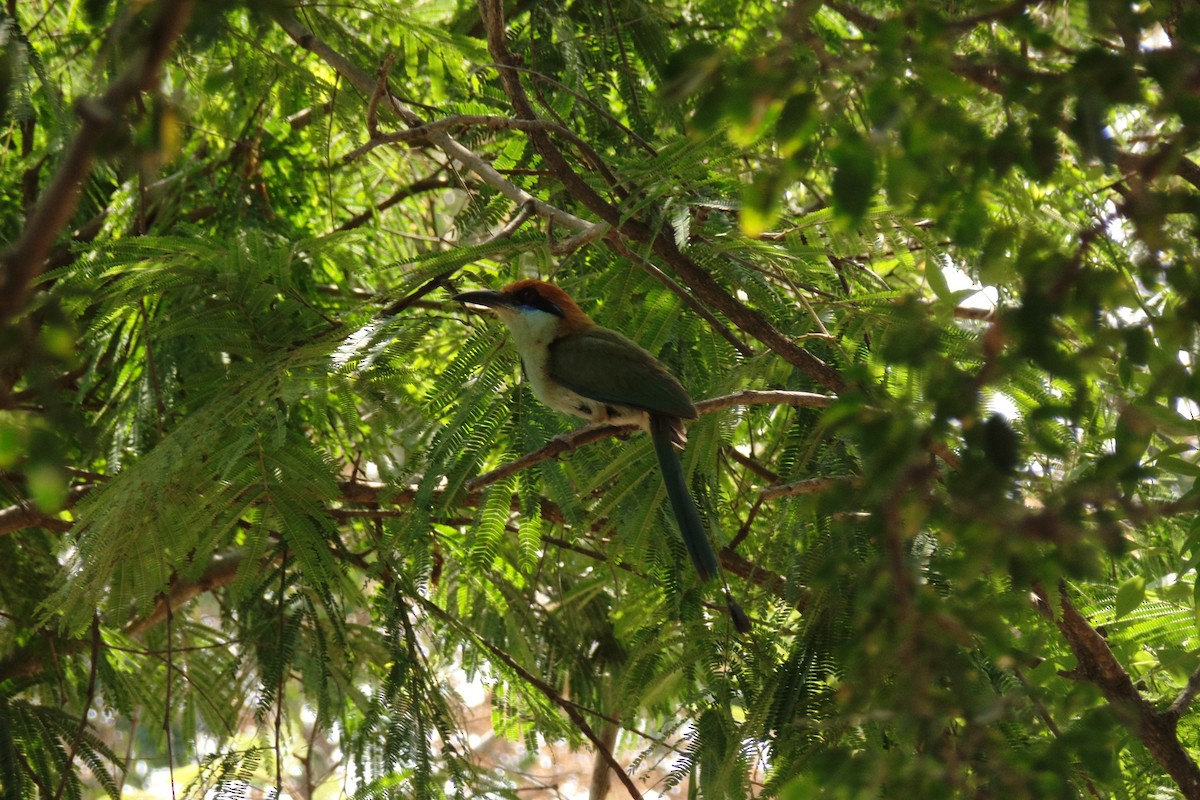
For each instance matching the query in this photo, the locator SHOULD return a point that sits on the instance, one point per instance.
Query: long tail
(687, 516)
(686, 513)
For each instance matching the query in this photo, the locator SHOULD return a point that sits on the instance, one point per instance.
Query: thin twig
(751, 464)
(454, 149)
(809, 486)
(699, 308)
(768, 397)
(522, 216)
(87, 705)
(564, 443)
(166, 724)
(281, 611)
(592, 104)
(421, 133)
(1185, 697)
(569, 708)
(381, 88)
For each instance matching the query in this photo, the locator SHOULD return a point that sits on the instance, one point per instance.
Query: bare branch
(432, 183)
(810, 486)
(596, 432)
(422, 133)
(564, 443)
(25, 514)
(1185, 698)
(751, 464)
(519, 219)
(692, 303)
(18, 517)
(573, 243)
(759, 397)
(31, 659)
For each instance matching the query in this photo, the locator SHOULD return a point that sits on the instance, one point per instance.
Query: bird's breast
(564, 400)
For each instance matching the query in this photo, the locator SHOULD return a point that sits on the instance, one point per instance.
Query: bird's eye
(530, 297)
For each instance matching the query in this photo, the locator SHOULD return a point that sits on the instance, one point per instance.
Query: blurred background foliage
(252, 530)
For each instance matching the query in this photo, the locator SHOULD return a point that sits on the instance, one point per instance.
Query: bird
(579, 368)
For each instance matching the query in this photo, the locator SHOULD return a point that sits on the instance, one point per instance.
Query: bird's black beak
(485, 298)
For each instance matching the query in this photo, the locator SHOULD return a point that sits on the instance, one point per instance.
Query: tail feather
(686, 513)
(740, 620)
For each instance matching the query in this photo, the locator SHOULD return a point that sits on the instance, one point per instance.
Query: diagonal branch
(424, 133)
(31, 659)
(1185, 698)
(442, 139)
(809, 486)
(1098, 665)
(26, 259)
(551, 694)
(633, 229)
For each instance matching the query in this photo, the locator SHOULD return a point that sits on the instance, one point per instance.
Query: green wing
(603, 365)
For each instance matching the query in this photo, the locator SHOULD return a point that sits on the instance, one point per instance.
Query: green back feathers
(604, 365)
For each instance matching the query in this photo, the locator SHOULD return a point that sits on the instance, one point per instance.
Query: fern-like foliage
(259, 518)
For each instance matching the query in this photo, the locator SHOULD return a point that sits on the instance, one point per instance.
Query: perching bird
(577, 367)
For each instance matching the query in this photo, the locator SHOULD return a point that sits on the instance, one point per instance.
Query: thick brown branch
(26, 515)
(626, 227)
(15, 518)
(1097, 664)
(27, 258)
(31, 659)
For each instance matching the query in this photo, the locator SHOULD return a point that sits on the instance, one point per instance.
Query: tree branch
(87, 704)
(30, 659)
(26, 259)
(698, 279)
(26, 515)
(810, 486)
(596, 432)
(1185, 698)
(454, 149)
(424, 132)
(432, 183)
(1097, 664)
(551, 694)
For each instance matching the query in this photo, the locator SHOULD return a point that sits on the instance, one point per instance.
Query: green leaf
(48, 487)
(1130, 595)
(761, 204)
(854, 177)
(798, 122)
